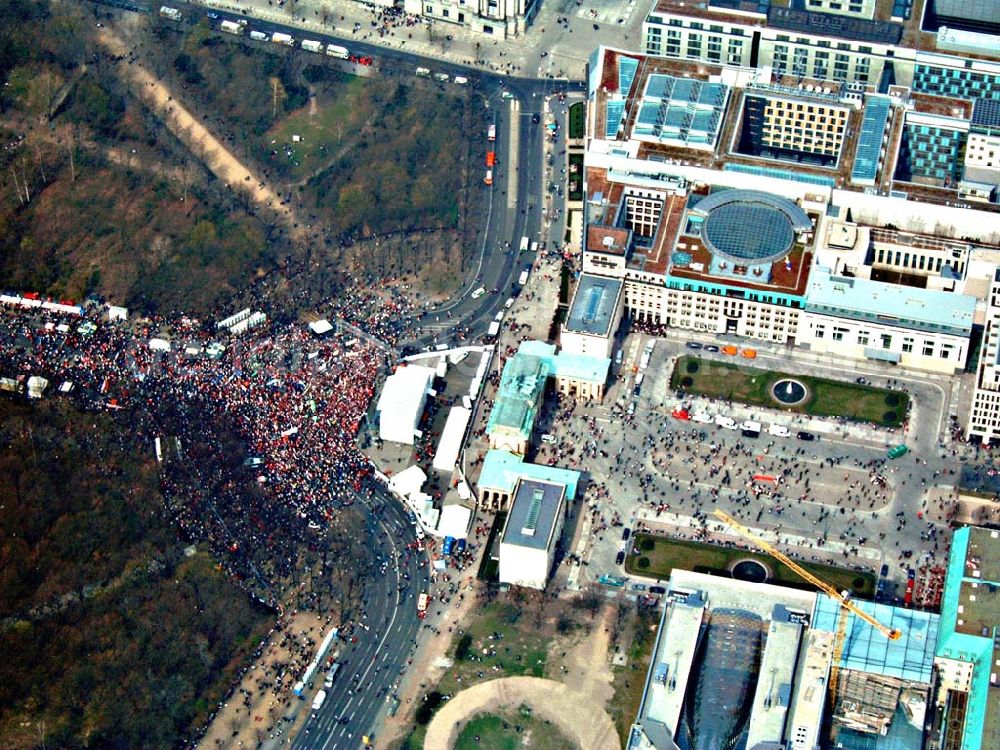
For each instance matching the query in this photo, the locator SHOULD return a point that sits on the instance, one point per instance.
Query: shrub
(687, 382)
(892, 400)
(692, 367)
(647, 544)
(889, 417)
(642, 563)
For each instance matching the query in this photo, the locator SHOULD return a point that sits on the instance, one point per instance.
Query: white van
(778, 430)
(727, 423)
(461, 80)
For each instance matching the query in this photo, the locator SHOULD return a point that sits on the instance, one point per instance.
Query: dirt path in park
(575, 705)
(188, 129)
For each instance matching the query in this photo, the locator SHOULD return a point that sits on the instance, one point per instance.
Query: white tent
(320, 327)
(409, 481)
(117, 313)
(455, 520)
(452, 436)
(401, 403)
(37, 386)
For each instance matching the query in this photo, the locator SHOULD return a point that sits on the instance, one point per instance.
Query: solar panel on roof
(986, 113)
(870, 139)
(615, 112)
(627, 68)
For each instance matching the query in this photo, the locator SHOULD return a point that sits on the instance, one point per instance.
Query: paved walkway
(587, 725)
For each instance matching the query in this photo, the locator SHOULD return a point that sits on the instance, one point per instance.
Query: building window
(928, 348)
(820, 331)
(907, 345)
(886, 340)
(862, 338)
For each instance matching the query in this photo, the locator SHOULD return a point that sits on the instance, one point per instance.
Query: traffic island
(818, 397)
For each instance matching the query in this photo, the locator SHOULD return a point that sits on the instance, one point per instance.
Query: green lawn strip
(577, 123)
(752, 385)
(630, 679)
(668, 554)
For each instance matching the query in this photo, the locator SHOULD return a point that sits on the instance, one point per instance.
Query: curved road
(371, 667)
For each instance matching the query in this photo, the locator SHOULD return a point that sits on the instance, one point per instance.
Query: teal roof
(907, 306)
(502, 470)
(963, 646)
(523, 382)
(520, 393)
(867, 650)
(582, 367)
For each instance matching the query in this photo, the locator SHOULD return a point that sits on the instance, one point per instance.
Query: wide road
(371, 668)
(517, 198)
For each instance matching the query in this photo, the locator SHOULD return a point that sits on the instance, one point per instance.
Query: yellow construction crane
(843, 598)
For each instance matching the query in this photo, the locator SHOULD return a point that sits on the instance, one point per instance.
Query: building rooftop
(867, 650)
(680, 111)
(503, 470)
(869, 143)
(534, 514)
(608, 240)
(594, 304)
(749, 226)
(774, 691)
(517, 398)
(974, 571)
(863, 299)
(833, 25)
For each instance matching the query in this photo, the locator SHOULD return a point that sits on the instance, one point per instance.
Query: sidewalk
(566, 46)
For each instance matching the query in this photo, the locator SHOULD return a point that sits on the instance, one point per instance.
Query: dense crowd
(295, 403)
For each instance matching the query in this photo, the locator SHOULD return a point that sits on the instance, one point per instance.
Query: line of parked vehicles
(749, 427)
(239, 27)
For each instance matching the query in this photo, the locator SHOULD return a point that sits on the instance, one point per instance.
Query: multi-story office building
(984, 416)
(769, 254)
(497, 18)
(932, 148)
(877, 45)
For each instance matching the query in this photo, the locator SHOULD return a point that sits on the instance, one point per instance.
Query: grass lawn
(521, 648)
(577, 122)
(575, 176)
(828, 398)
(666, 554)
(629, 680)
(321, 133)
(509, 731)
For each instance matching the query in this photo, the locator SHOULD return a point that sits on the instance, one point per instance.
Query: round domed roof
(750, 227)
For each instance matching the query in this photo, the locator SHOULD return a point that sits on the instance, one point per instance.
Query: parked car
(803, 435)
(711, 348)
(778, 430)
(702, 417)
(693, 345)
(620, 557)
(727, 423)
(658, 590)
(626, 533)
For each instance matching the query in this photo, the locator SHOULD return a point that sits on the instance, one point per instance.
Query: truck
(424, 72)
(311, 45)
(494, 329)
(422, 602)
(491, 133)
(172, 13)
(285, 39)
(335, 50)
(260, 36)
(318, 700)
(330, 674)
(524, 245)
(231, 27)
(523, 278)
(449, 544)
(488, 179)
(491, 158)
(898, 451)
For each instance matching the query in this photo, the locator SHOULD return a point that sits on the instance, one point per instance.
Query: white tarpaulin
(401, 403)
(409, 481)
(455, 520)
(452, 435)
